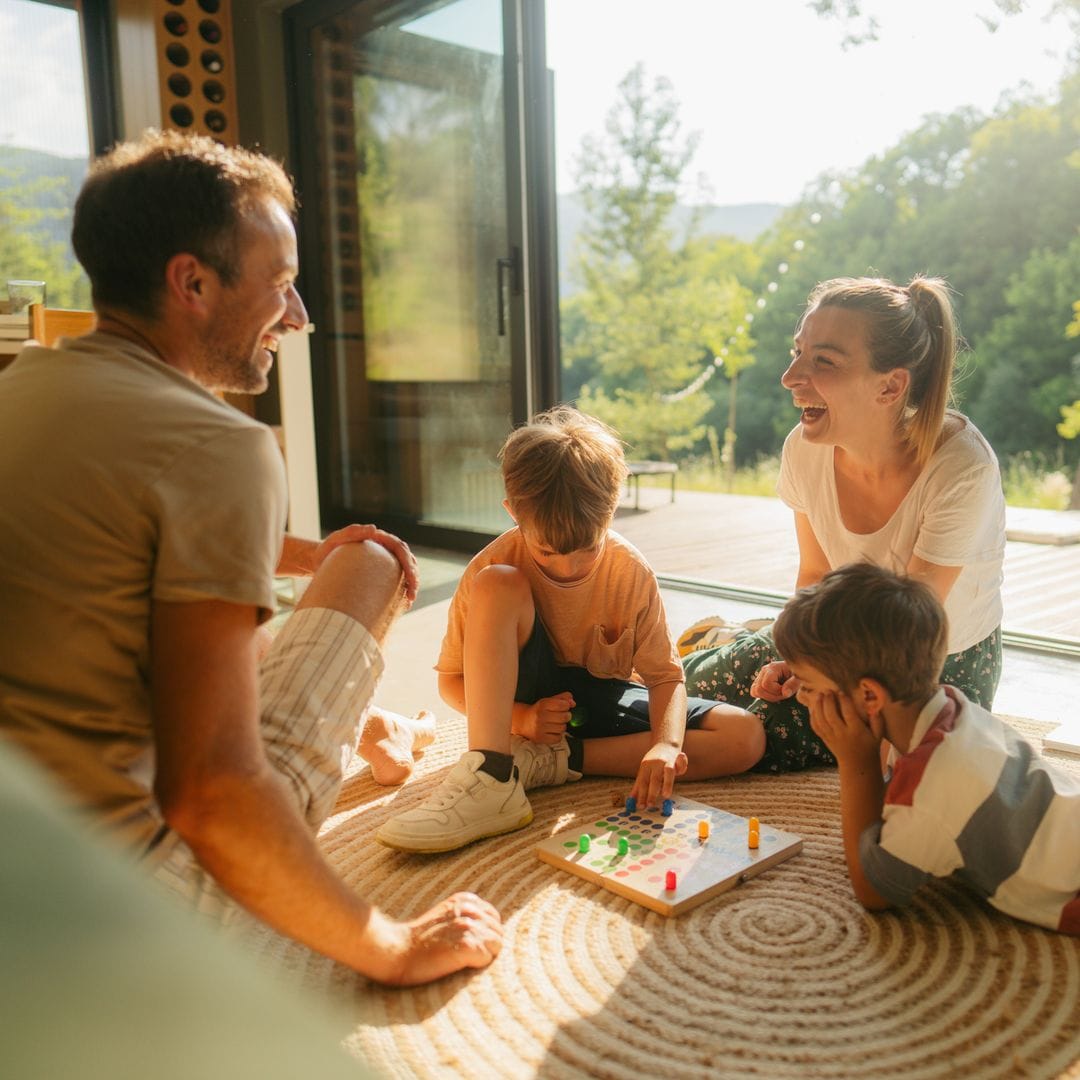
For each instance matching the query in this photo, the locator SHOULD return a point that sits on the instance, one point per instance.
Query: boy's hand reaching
(545, 720)
(656, 775)
(837, 723)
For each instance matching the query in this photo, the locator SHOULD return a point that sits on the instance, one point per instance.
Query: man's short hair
(563, 472)
(161, 195)
(862, 621)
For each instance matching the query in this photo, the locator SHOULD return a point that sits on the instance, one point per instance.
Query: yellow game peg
(752, 840)
(703, 829)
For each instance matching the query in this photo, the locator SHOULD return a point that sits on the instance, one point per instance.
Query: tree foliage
(34, 212)
(991, 203)
(654, 309)
(1032, 365)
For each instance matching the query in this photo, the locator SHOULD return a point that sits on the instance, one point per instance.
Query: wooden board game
(706, 849)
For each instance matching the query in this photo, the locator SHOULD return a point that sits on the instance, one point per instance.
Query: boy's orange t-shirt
(611, 622)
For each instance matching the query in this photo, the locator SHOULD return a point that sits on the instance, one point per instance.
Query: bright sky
(42, 97)
(776, 98)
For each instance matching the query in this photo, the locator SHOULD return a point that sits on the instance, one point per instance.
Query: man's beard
(230, 372)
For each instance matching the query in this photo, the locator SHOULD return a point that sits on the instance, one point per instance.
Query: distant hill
(745, 221)
(53, 180)
(58, 179)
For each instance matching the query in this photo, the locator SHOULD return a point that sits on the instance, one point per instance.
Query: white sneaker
(468, 805)
(540, 765)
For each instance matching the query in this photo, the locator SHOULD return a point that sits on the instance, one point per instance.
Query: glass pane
(413, 188)
(44, 148)
(700, 201)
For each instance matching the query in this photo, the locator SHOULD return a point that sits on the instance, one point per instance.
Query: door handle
(506, 264)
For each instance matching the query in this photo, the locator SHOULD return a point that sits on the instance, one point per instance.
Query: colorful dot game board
(657, 845)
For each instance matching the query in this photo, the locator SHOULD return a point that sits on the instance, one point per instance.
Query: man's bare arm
(219, 792)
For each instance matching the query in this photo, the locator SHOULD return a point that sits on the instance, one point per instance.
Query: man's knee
(363, 580)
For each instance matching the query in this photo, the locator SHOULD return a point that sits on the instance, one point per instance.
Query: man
(141, 526)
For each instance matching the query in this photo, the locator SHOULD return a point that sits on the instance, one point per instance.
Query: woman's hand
(775, 682)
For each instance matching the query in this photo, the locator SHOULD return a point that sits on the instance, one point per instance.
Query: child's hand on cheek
(837, 723)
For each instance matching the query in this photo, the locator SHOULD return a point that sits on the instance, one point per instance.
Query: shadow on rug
(784, 976)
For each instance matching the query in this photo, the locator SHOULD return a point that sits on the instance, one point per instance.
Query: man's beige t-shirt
(612, 622)
(123, 482)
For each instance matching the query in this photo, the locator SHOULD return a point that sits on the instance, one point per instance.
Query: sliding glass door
(413, 236)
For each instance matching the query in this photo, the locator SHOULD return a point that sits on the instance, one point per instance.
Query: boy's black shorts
(611, 706)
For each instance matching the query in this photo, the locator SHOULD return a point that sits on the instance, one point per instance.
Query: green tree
(1032, 365)
(965, 197)
(990, 203)
(654, 310)
(1069, 427)
(28, 248)
(861, 27)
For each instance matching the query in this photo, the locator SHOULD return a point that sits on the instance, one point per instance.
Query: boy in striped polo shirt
(964, 796)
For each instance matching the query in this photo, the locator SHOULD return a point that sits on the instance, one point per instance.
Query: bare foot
(389, 741)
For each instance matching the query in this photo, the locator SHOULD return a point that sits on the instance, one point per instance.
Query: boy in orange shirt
(559, 624)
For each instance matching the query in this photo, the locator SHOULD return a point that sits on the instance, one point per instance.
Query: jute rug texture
(782, 977)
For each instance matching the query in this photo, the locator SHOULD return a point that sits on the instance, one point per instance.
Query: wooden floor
(749, 541)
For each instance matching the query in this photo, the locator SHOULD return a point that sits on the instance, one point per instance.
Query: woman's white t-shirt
(954, 515)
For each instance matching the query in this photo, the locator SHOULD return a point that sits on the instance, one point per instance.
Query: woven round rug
(783, 976)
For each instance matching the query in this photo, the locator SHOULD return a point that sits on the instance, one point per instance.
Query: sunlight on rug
(782, 977)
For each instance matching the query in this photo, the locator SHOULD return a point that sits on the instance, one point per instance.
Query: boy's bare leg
(389, 742)
(729, 741)
(482, 795)
(501, 616)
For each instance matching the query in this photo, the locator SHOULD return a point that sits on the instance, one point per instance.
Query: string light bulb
(760, 303)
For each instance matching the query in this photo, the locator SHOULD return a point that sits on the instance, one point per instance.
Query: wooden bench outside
(637, 469)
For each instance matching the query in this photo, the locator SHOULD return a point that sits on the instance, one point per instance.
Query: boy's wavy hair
(862, 621)
(563, 472)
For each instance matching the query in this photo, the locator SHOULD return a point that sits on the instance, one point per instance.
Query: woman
(878, 469)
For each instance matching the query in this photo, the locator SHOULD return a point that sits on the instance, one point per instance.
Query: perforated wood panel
(339, 166)
(196, 74)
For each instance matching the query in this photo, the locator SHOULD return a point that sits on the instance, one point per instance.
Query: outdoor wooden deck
(749, 541)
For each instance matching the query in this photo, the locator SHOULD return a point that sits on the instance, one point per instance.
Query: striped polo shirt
(974, 801)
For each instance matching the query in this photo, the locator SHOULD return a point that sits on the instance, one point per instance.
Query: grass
(1029, 480)
(757, 479)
